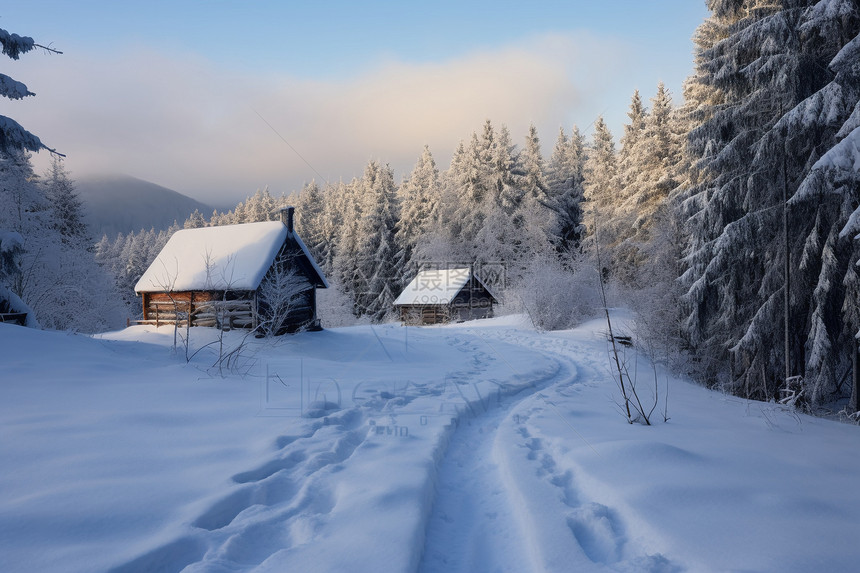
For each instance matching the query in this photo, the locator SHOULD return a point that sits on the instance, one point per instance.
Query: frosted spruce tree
(419, 198)
(535, 222)
(20, 199)
(376, 249)
(68, 273)
(767, 111)
(345, 268)
(195, 220)
(13, 137)
(621, 254)
(629, 156)
(310, 207)
(601, 190)
(500, 239)
(65, 204)
(504, 157)
(471, 179)
(648, 158)
(565, 184)
(830, 190)
(260, 207)
(331, 222)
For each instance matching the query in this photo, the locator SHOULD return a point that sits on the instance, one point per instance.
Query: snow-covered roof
(228, 257)
(436, 286)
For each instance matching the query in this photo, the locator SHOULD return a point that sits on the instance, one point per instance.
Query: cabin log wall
(205, 308)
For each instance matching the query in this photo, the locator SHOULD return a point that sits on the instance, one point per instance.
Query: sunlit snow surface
(483, 446)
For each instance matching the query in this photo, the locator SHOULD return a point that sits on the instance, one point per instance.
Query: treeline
(495, 205)
(705, 217)
(499, 207)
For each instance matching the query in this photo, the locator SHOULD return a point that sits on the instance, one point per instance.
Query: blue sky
(173, 92)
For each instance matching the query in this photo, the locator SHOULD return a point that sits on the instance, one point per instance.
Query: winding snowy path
(506, 499)
(474, 526)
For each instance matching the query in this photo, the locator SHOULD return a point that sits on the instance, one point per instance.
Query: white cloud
(183, 122)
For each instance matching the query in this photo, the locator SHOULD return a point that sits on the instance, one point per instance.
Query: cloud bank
(218, 134)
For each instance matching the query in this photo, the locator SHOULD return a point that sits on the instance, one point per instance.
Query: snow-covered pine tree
(565, 180)
(239, 214)
(18, 191)
(450, 226)
(135, 256)
(831, 189)
(310, 207)
(376, 249)
(260, 207)
(348, 199)
(660, 155)
(419, 197)
(534, 221)
(13, 137)
(65, 204)
(11, 254)
(601, 188)
(503, 163)
(769, 115)
(629, 156)
(330, 226)
(26, 213)
(107, 252)
(11, 250)
(479, 181)
(647, 159)
(620, 254)
(195, 220)
(471, 177)
(499, 238)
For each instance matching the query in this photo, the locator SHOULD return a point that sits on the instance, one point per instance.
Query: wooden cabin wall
(231, 309)
(427, 314)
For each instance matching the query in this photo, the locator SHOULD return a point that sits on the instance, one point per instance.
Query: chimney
(287, 217)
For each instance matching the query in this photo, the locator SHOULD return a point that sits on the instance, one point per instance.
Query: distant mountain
(120, 204)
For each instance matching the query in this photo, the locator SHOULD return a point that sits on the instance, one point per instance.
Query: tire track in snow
(472, 526)
(564, 530)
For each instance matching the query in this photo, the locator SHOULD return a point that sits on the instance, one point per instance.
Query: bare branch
(48, 49)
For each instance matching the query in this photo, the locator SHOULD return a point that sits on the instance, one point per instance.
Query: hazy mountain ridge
(120, 203)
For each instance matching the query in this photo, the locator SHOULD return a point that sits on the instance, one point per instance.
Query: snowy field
(483, 446)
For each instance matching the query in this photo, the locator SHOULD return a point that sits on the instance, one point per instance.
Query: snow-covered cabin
(253, 275)
(437, 296)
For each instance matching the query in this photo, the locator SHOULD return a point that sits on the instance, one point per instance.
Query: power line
(291, 147)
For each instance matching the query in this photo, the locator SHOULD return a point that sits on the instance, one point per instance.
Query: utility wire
(291, 147)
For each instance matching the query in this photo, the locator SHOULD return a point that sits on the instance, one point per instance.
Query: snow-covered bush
(335, 308)
(283, 297)
(556, 297)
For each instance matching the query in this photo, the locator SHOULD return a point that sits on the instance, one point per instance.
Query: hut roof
(228, 257)
(436, 286)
